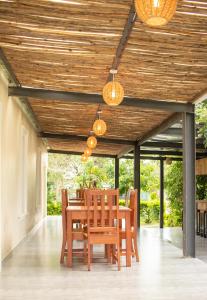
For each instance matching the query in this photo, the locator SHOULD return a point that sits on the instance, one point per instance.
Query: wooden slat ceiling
(77, 119)
(70, 46)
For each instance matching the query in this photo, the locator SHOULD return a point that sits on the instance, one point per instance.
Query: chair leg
(114, 253)
(85, 251)
(108, 253)
(105, 251)
(89, 257)
(63, 251)
(136, 248)
(118, 257)
(91, 253)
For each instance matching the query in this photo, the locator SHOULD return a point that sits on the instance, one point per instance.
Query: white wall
(14, 225)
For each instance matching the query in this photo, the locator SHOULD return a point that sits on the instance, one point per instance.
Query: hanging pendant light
(87, 152)
(91, 141)
(113, 92)
(99, 126)
(155, 13)
(84, 158)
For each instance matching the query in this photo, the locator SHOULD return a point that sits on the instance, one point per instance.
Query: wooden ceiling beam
(97, 99)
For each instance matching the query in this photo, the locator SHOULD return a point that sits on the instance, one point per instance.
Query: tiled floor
(175, 236)
(33, 271)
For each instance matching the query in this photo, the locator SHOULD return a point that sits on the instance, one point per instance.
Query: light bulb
(87, 151)
(91, 142)
(84, 158)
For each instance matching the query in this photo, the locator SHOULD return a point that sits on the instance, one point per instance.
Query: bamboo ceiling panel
(79, 146)
(62, 45)
(168, 63)
(125, 123)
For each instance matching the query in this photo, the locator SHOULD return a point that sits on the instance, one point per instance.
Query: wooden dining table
(81, 213)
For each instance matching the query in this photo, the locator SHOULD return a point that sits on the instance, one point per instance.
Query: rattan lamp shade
(113, 93)
(87, 151)
(99, 127)
(155, 13)
(91, 142)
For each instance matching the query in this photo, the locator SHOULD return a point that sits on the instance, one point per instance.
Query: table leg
(69, 240)
(128, 240)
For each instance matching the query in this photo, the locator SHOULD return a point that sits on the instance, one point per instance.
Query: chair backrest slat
(104, 203)
(80, 193)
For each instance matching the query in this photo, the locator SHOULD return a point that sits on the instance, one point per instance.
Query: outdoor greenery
(201, 119)
(68, 171)
(174, 191)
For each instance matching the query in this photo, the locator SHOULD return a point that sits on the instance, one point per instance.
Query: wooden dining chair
(102, 222)
(77, 231)
(80, 193)
(134, 231)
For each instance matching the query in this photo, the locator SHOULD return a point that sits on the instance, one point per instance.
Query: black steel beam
(189, 185)
(163, 126)
(124, 39)
(158, 144)
(161, 144)
(161, 152)
(97, 99)
(25, 105)
(161, 193)
(8, 68)
(80, 153)
(125, 151)
(84, 138)
(116, 173)
(137, 184)
(153, 158)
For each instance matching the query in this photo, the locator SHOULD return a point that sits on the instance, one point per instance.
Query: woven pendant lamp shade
(91, 142)
(99, 127)
(155, 13)
(87, 152)
(84, 158)
(113, 93)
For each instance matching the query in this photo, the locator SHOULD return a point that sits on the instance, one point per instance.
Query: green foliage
(96, 171)
(201, 187)
(201, 118)
(174, 188)
(149, 177)
(150, 211)
(53, 208)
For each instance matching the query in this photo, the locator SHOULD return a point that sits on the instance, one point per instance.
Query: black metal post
(137, 179)
(116, 173)
(189, 184)
(161, 193)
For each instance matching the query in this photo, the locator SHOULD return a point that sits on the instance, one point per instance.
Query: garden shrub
(150, 211)
(53, 208)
